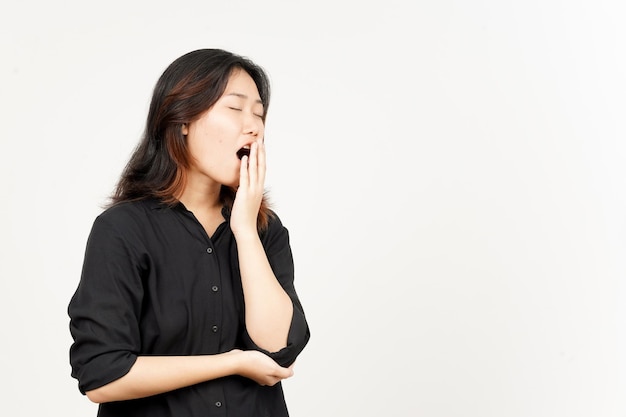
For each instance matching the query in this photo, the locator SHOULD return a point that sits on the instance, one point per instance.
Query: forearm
(268, 309)
(151, 375)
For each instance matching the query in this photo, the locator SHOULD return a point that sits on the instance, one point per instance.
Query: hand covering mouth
(243, 151)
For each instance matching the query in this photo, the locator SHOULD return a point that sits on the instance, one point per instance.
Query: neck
(201, 195)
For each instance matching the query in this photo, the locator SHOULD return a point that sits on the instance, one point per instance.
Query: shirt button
(214, 288)
(214, 328)
(209, 250)
(218, 403)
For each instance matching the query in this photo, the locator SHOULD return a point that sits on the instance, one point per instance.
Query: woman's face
(233, 122)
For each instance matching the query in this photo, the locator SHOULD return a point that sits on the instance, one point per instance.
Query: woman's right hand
(260, 368)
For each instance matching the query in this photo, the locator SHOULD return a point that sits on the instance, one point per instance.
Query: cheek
(217, 135)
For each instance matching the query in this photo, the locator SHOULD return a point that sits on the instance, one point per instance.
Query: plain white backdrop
(452, 174)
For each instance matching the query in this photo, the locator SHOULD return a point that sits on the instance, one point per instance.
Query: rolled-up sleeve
(277, 247)
(105, 308)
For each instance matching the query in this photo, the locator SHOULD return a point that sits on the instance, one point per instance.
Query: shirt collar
(158, 204)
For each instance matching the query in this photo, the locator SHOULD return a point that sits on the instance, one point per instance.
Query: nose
(253, 125)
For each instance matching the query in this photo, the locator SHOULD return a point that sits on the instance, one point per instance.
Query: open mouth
(243, 151)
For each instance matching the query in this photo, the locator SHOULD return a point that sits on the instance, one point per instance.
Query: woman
(186, 304)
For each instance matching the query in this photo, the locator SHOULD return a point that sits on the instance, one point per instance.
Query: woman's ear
(184, 129)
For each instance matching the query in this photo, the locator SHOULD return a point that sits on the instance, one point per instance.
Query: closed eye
(260, 116)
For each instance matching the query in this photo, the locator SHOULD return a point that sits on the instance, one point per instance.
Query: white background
(452, 174)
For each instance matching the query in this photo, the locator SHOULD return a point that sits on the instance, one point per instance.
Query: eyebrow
(244, 96)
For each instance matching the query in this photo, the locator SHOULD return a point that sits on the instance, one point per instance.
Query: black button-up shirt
(154, 283)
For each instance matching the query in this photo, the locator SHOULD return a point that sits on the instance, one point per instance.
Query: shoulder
(274, 223)
(274, 220)
(275, 231)
(126, 216)
(124, 212)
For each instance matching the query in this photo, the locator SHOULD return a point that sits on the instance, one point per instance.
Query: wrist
(236, 361)
(246, 235)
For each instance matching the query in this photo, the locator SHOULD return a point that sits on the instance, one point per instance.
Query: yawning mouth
(243, 151)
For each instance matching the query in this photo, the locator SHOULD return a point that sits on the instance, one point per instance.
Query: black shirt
(154, 283)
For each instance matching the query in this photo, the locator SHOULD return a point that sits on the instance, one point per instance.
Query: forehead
(241, 84)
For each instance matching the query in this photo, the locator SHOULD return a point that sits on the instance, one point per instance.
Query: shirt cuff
(103, 369)
(297, 339)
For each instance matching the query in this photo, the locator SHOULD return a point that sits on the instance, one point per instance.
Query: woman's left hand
(243, 218)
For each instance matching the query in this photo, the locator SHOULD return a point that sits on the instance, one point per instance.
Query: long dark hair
(186, 89)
